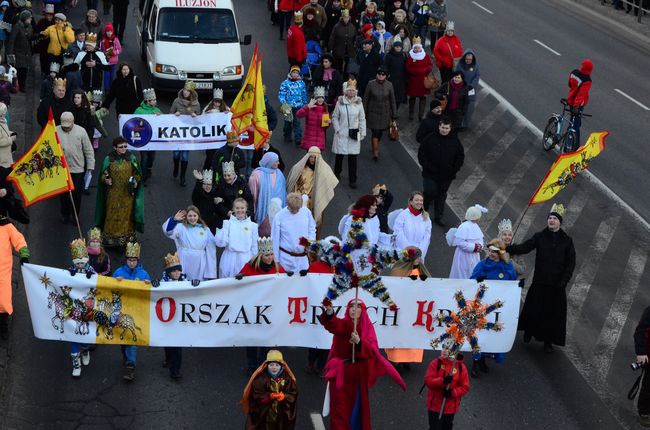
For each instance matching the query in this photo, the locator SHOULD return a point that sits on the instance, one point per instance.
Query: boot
(76, 365)
(422, 112)
(129, 373)
(4, 326)
(375, 148)
(483, 365)
(475, 369)
(175, 173)
(183, 171)
(411, 107)
(85, 357)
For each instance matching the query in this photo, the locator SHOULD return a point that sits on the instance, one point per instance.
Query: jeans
(76, 348)
(444, 423)
(67, 210)
(352, 166)
(470, 111)
(181, 155)
(174, 358)
(129, 354)
(248, 159)
(435, 191)
(146, 162)
(295, 125)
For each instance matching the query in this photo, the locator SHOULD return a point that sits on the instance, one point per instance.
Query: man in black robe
(544, 314)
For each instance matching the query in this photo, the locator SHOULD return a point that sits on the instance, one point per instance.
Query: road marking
(574, 209)
(547, 47)
(630, 98)
(483, 7)
(618, 312)
(478, 130)
(317, 421)
(600, 185)
(588, 270)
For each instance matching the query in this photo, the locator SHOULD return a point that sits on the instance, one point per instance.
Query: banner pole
(76, 217)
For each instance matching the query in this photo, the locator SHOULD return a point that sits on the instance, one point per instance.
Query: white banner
(271, 310)
(176, 133)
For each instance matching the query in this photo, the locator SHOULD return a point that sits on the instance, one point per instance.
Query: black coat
(544, 312)
(228, 193)
(92, 77)
(441, 157)
(84, 119)
(205, 202)
(368, 65)
(333, 88)
(640, 333)
(427, 126)
(271, 116)
(20, 45)
(10, 205)
(382, 212)
(463, 102)
(395, 62)
(127, 93)
(58, 107)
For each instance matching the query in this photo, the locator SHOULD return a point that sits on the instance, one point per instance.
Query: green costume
(145, 109)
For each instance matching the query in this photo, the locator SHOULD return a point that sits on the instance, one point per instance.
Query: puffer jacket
(471, 72)
(446, 49)
(438, 369)
(60, 36)
(293, 92)
(314, 131)
(348, 114)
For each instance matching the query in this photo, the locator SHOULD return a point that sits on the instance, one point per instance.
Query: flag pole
(356, 317)
(444, 399)
(521, 218)
(76, 217)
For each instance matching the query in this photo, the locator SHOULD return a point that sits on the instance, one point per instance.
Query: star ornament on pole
(467, 321)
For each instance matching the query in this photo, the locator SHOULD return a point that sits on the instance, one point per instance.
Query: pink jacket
(314, 134)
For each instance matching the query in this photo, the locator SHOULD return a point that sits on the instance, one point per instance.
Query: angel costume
(196, 248)
(465, 238)
(239, 237)
(411, 228)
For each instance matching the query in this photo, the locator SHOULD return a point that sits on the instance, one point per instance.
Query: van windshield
(196, 25)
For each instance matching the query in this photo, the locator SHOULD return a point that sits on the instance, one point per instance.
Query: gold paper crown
(59, 83)
(417, 40)
(504, 225)
(94, 234)
(274, 355)
(559, 209)
(171, 260)
(91, 38)
(133, 250)
(79, 251)
(190, 85)
(264, 246)
(232, 136)
(351, 84)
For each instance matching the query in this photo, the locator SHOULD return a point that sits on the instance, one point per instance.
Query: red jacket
(416, 72)
(436, 372)
(290, 5)
(314, 134)
(444, 55)
(580, 84)
(296, 45)
(249, 270)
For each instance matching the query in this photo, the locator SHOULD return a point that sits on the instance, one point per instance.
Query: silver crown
(228, 168)
(205, 176)
(217, 93)
(98, 96)
(319, 92)
(149, 94)
(505, 225)
(55, 67)
(264, 246)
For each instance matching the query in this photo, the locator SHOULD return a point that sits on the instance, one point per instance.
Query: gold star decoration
(45, 280)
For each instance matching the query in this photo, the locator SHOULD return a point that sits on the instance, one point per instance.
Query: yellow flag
(567, 167)
(42, 172)
(248, 109)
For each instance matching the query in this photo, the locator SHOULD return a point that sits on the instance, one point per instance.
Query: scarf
(115, 156)
(267, 190)
(454, 95)
(417, 56)
(415, 211)
(328, 73)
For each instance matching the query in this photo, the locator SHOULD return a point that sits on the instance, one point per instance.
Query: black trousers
(146, 162)
(352, 166)
(119, 20)
(644, 393)
(22, 78)
(174, 359)
(284, 21)
(435, 191)
(209, 155)
(66, 205)
(445, 75)
(444, 423)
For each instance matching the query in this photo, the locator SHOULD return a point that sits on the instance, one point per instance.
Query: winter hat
(366, 28)
(294, 69)
(558, 211)
(587, 66)
(434, 104)
(25, 15)
(60, 16)
(368, 41)
(397, 42)
(4, 3)
(474, 213)
(382, 23)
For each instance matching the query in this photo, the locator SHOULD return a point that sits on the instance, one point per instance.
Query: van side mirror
(247, 40)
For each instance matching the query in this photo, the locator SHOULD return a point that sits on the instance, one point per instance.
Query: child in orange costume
(10, 238)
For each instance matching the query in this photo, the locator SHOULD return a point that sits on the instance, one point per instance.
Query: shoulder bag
(353, 133)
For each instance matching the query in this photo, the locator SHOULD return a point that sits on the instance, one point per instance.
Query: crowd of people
(248, 219)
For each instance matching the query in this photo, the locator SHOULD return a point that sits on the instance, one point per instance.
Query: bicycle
(553, 135)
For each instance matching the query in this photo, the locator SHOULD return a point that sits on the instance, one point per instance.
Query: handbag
(393, 131)
(454, 60)
(353, 133)
(431, 81)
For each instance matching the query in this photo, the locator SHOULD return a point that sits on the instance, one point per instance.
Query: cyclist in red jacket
(578, 97)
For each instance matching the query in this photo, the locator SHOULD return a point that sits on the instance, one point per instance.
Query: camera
(636, 366)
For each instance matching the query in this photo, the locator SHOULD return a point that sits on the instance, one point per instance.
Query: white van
(191, 40)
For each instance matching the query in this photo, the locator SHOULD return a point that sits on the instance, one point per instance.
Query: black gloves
(303, 272)
(446, 393)
(413, 277)
(423, 277)
(89, 274)
(447, 379)
(155, 283)
(24, 260)
(522, 282)
(289, 274)
(239, 276)
(195, 282)
(72, 271)
(480, 279)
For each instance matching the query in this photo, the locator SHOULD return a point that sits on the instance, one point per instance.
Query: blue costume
(494, 270)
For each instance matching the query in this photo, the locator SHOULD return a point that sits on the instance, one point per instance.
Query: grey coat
(379, 104)
(19, 44)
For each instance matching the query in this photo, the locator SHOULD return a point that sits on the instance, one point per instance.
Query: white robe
(286, 231)
(239, 237)
(196, 249)
(465, 239)
(411, 230)
(370, 227)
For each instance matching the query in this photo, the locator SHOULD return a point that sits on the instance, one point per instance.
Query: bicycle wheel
(548, 138)
(569, 142)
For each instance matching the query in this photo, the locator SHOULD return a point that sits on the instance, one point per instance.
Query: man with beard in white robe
(289, 225)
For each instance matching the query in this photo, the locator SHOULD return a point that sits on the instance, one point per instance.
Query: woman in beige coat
(6, 159)
(349, 122)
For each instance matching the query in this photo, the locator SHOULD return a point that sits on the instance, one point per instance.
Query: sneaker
(76, 365)
(85, 357)
(175, 375)
(644, 420)
(129, 373)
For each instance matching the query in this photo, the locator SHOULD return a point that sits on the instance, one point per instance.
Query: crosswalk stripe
(575, 207)
(317, 421)
(477, 131)
(618, 312)
(588, 269)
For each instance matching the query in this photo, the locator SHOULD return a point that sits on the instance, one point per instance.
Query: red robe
(296, 44)
(249, 270)
(417, 71)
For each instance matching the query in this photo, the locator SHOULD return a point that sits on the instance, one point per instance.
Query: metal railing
(636, 6)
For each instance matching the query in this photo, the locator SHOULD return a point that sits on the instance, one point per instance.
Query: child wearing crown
(203, 197)
(93, 63)
(96, 99)
(97, 257)
(239, 238)
(270, 396)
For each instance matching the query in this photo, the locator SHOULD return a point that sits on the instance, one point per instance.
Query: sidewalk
(618, 17)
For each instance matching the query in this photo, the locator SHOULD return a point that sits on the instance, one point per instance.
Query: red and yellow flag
(42, 172)
(567, 166)
(248, 109)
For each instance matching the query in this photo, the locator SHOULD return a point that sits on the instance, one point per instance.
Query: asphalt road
(530, 390)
